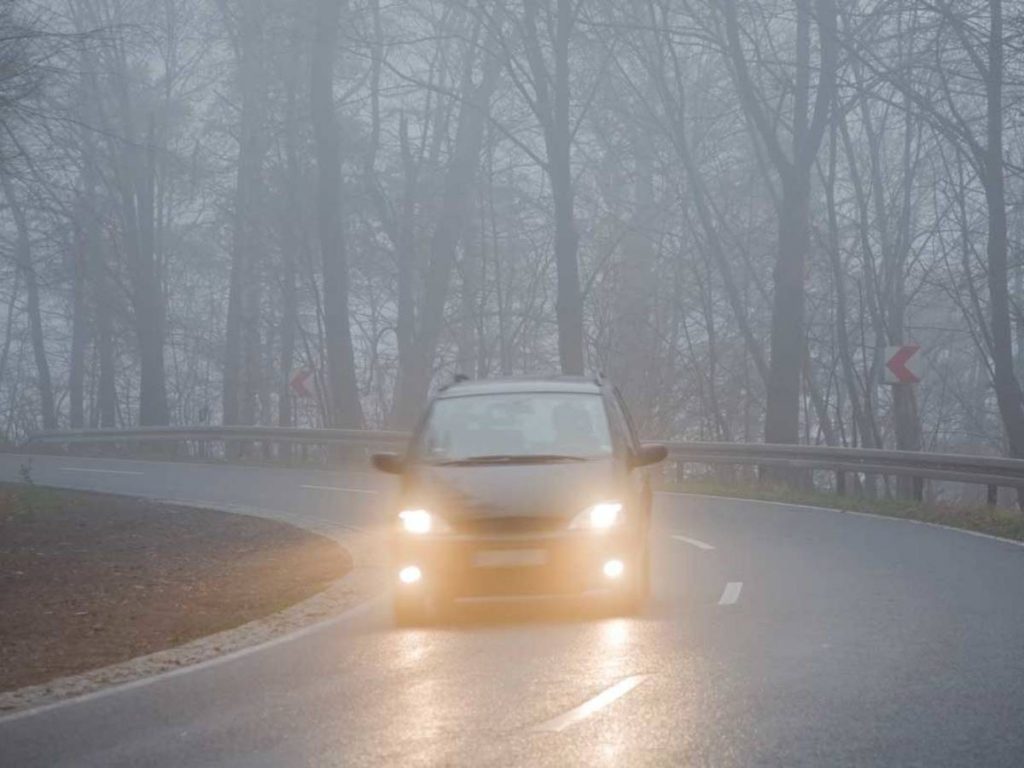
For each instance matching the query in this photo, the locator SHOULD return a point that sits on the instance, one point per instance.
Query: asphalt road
(778, 636)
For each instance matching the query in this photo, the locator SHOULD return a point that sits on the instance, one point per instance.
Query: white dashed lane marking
(693, 542)
(589, 707)
(731, 593)
(336, 488)
(101, 471)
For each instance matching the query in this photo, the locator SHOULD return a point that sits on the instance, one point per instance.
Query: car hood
(560, 489)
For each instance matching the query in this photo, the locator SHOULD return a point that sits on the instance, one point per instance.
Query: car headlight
(420, 521)
(601, 516)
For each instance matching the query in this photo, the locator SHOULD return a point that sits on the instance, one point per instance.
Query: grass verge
(996, 521)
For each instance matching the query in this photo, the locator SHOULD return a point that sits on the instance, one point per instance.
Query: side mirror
(649, 454)
(388, 462)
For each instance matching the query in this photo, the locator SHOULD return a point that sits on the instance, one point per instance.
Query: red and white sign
(901, 364)
(301, 385)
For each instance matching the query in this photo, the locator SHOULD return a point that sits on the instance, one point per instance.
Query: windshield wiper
(511, 458)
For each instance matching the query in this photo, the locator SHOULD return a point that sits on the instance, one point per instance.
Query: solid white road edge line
(346, 616)
(336, 488)
(312, 520)
(589, 707)
(695, 542)
(102, 471)
(874, 515)
(731, 593)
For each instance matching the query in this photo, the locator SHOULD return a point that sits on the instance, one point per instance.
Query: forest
(731, 208)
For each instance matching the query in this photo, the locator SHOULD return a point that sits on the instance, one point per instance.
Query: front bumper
(568, 563)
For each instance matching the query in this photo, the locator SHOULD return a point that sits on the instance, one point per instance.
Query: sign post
(902, 373)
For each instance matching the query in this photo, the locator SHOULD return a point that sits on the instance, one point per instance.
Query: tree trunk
(843, 344)
(1007, 386)
(103, 298)
(343, 392)
(23, 258)
(782, 407)
(569, 307)
(551, 102)
(106, 397)
(79, 321)
(292, 242)
(410, 378)
(147, 296)
(782, 411)
(237, 393)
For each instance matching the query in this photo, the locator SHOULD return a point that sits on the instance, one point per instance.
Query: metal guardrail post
(840, 482)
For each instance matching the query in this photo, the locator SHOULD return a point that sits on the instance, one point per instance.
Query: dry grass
(88, 580)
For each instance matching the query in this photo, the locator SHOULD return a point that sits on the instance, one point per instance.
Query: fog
(731, 209)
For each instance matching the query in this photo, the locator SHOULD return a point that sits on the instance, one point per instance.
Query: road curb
(342, 600)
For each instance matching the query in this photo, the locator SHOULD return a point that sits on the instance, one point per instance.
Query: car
(520, 489)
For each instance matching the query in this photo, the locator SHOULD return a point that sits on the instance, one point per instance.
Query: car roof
(525, 384)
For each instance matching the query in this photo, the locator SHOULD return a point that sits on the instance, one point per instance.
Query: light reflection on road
(429, 711)
(425, 707)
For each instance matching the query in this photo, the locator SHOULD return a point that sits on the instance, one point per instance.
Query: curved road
(778, 636)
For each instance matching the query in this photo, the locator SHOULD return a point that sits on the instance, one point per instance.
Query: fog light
(613, 569)
(411, 574)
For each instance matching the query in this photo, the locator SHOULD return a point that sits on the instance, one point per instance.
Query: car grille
(509, 525)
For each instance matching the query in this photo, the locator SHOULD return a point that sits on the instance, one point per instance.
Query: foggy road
(777, 635)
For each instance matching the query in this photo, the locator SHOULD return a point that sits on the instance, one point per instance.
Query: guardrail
(982, 470)
(299, 435)
(993, 472)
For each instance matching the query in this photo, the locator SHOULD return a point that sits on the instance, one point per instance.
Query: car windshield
(509, 426)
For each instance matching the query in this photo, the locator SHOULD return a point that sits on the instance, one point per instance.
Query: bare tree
(422, 329)
(345, 408)
(544, 82)
(806, 128)
(28, 271)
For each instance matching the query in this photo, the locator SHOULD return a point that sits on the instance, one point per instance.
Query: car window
(515, 424)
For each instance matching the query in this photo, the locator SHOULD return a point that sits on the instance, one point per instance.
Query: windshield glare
(526, 424)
